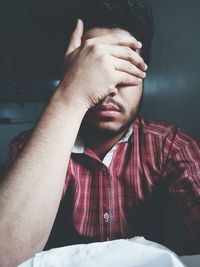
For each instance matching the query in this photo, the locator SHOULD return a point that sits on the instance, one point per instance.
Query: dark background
(34, 36)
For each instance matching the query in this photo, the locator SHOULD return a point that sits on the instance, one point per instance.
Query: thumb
(75, 40)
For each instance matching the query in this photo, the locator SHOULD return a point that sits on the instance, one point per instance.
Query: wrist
(64, 98)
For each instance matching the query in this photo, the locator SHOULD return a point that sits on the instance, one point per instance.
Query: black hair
(134, 16)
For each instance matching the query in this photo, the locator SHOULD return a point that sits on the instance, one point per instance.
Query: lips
(108, 107)
(107, 111)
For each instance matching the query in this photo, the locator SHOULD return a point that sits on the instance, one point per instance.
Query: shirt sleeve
(183, 170)
(16, 146)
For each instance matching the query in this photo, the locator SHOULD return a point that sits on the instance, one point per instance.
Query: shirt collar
(79, 147)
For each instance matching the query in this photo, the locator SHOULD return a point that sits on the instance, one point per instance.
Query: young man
(106, 188)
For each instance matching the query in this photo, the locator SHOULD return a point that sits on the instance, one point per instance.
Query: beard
(88, 129)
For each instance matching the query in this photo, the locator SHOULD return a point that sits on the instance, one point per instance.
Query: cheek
(131, 91)
(132, 96)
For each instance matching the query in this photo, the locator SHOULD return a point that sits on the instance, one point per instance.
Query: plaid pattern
(106, 201)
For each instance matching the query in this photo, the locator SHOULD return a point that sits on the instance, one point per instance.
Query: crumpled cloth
(134, 252)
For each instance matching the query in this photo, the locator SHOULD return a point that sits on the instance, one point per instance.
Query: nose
(114, 91)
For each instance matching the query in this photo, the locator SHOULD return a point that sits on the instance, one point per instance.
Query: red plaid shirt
(126, 198)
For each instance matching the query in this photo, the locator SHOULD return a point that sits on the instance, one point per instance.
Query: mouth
(108, 107)
(108, 111)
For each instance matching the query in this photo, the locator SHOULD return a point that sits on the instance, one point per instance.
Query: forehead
(95, 32)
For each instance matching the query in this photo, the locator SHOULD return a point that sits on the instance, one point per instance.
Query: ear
(76, 37)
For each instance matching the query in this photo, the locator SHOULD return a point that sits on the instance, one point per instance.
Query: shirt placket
(104, 205)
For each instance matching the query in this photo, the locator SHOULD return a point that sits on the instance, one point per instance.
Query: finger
(75, 40)
(129, 54)
(126, 79)
(116, 38)
(126, 66)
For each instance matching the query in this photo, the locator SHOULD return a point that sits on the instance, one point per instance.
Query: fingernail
(144, 74)
(139, 45)
(139, 80)
(79, 21)
(145, 67)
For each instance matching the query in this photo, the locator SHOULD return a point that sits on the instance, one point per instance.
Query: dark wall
(172, 91)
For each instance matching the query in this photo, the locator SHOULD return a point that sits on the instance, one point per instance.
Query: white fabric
(118, 253)
(191, 261)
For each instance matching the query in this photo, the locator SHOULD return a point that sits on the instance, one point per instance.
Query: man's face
(114, 113)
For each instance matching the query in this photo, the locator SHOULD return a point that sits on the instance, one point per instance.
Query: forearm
(31, 191)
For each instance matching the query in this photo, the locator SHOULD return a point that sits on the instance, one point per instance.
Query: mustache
(110, 100)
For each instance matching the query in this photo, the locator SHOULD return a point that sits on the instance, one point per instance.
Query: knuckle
(130, 79)
(98, 49)
(104, 59)
(129, 52)
(89, 43)
(130, 65)
(118, 32)
(131, 68)
(127, 80)
(134, 57)
(141, 61)
(139, 73)
(117, 35)
(115, 31)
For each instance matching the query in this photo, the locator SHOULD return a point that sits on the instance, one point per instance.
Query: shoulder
(160, 129)
(20, 139)
(165, 132)
(16, 145)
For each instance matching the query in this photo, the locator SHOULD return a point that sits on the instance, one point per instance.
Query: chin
(106, 127)
(104, 130)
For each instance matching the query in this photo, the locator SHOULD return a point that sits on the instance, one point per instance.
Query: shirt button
(106, 216)
(104, 173)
